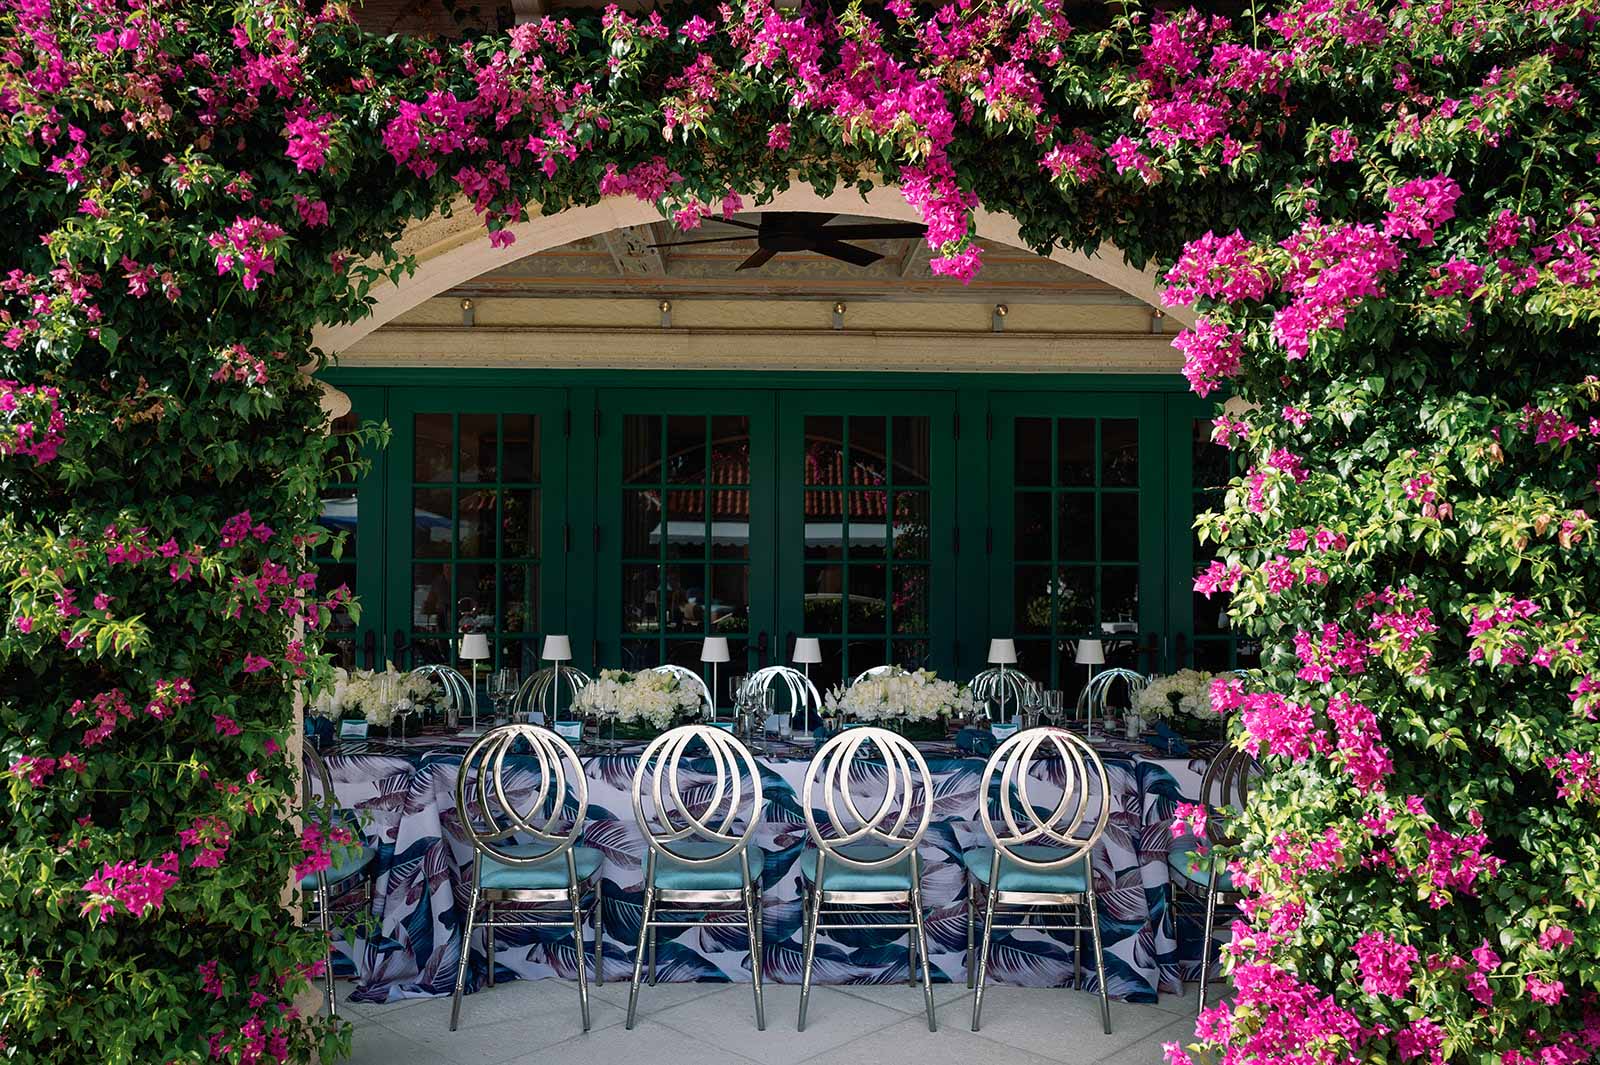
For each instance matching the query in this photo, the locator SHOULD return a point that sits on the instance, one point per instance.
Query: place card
(352, 729)
(571, 731)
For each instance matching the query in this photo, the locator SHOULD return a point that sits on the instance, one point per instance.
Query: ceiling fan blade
(709, 240)
(847, 252)
(879, 231)
(735, 222)
(758, 260)
(792, 221)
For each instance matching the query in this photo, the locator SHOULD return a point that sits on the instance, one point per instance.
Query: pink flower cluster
(169, 696)
(236, 364)
(37, 769)
(1421, 206)
(1218, 577)
(318, 844)
(308, 140)
(1332, 269)
(210, 837)
(247, 243)
(1456, 862)
(31, 421)
(1385, 964)
(1332, 650)
(1217, 268)
(1577, 775)
(110, 707)
(1212, 353)
(1301, 1024)
(241, 527)
(1360, 742)
(133, 887)
(1272, 723)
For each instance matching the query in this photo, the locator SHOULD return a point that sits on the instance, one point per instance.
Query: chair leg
(652, 957)
(911, 958)
(638, 955)
(323, 919)
(814, 913)
(989, 903)
(583, 968)
(752, 923)
(1077, 948)
(488, 939)
(599, 933)
(1205, 941)
(1099, 959)
(466, 956)
(922, 949)
(972, 920)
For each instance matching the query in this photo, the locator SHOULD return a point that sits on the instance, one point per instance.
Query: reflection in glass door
(350, 509)
(470, 475)
(1078, 545)
(866, 562)
(685, 540)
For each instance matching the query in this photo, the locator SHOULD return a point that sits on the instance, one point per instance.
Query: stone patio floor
(535, 1022)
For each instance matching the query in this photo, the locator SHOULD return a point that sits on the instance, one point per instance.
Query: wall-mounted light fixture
(665, 307)
(1156, 319)
(468, 315)
(838, 315)
(997, 321)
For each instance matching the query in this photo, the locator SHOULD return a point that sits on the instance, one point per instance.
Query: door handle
(400, 647)
(369, 648)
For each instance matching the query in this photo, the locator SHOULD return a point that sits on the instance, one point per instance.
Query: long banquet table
(406, 793)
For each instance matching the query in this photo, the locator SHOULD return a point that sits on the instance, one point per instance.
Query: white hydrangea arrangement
(369, 694)
(900, 694)
(1187, 691)
(647, 697)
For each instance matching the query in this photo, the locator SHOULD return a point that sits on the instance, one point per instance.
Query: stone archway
(455, 248)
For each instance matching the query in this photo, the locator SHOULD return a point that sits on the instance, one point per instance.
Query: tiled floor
(535, 1022)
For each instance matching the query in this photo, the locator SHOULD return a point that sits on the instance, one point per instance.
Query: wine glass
(1032, 702)
(502, 688)
(1055, 705)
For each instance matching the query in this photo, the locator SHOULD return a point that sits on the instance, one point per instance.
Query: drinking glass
(1055, 706)
(502, 688)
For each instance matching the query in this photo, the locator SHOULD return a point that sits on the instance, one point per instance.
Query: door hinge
(988, 426)
(597, 537)
(566, 426)
(955, 539)
(958, 425)
(988, 540)
(566, 538)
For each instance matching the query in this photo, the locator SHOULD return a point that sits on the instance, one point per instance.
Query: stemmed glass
(1032, 704)
(502, 689)
(736, 685)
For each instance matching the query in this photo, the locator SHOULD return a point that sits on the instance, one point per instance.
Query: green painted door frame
(971, 515)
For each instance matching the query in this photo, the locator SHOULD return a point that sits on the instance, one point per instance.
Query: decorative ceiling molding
(523, 11)
(631, 252)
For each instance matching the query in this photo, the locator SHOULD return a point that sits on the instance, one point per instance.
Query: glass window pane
(431, 525)
(331, 575)
(1030, 598)
(911, 525)
(431, 597)
(433, 458)
(909, 604)
(868, 450)
(730, 449)
(515, 605)
(641, 524)
(1212, 655)
(868, 587)
(1075, 526)
(1119, 452)
(475, 598)
(829, 673)
(686, 448)
(824, 449)
(1119, 527)
(730, 523)
(519, 441)
(641, 448)
(640, 654)
(1075, 449)
(686, 523)
(912, 450)
(868, 532)
(864, 654)
(1031, 461)
(730, 599)
(476, 523)
(520, 529)
(824, 524)
(1119, 595)
(824, 605)
(1074, 594)
(480, 438)
(1031, 531)
(641, 596)
(913, 654)
(684, 592)
(338, 516)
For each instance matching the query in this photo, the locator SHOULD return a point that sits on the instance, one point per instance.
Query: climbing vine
(1381, 212)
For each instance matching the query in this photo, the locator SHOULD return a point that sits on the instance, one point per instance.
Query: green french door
(350, 555)
(685, 534)
(866, 515)
(1078, 503)
(476, 490)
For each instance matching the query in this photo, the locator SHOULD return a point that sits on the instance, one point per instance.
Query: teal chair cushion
(1184, 853)
(724, 875)
(348, 865)
(1069, 879)
(546, 876)
(896, 876)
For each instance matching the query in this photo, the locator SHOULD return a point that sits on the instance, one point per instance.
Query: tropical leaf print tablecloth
(406, 795)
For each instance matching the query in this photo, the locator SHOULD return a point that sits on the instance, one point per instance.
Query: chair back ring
(560, 794)
(535, 691)
(803, 695)
(709, 812)
(457, 689)
(1096, 695)
(875, 671)
(687, 676)
(1025, 822)
(908, 790)
(1226, 785)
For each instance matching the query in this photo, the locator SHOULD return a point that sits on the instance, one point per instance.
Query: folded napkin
(1167, 741)
(976, 741)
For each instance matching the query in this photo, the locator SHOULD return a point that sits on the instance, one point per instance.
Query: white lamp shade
(715, 649)
(474, 646)
(807, 650)
(1003, 652)
(557, 648)
(1090, 653)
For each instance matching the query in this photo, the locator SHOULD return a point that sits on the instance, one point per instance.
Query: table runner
(405, 793)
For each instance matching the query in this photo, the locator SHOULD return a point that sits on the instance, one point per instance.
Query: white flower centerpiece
(370, 695)
(1184, 694)
(646, 701)
(900, 697)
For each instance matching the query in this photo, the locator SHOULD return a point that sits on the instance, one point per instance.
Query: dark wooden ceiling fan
(788, 231)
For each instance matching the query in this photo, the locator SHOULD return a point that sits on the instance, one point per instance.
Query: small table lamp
(807, 653)
(714, 650)
(1003, 653)
(475, 649)
(1090, 653)
(557, 649)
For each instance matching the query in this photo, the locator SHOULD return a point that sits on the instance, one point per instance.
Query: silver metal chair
(875, 671)
(867, 859)
(1096, 695)
(701, 835)
(551, 873)
(1012, 685)
(1039, 858)
(1223, 791)
(458, 693)
(350, 871)
(542, 689)
(803, 695)
(688, 676)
